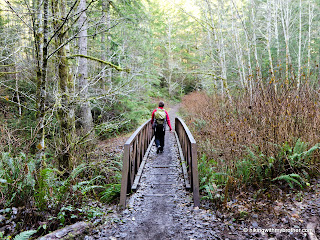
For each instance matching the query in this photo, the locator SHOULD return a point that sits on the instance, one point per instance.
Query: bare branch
(13, 10)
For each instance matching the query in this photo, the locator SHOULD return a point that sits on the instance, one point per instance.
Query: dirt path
(173, 113)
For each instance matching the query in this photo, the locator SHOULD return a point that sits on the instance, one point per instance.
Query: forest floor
(163, 209)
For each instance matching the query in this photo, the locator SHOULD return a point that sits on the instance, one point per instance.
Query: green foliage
(291, 179)
(88, 186)
(260, 169)
(17, 181)
(46, 186)
(64, 211)
(111, 192)
(199, 124)
(25, 235)
(290, 165)
(65, 199)
(111, 127)
(21, 236)
(122, 116)
(135, 111)
(299, 156)
(210, 180)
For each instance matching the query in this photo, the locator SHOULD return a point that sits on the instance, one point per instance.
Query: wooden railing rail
(134, 151)
(189, 149)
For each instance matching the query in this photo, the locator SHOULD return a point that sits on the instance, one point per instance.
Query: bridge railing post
(189, 149)
(134, 150)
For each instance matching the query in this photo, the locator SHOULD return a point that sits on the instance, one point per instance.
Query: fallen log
(69, 232)
(312, 226)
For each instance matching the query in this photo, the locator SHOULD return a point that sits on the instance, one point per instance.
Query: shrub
(255, 142)
(16, 180)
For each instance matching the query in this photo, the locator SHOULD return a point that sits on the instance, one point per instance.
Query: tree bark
(65, 111)
(276, 32)
(237, 49)
(223, 64)
(85, 109)
(299, 50)
(212, 34)
(269, 38)
(258, 69)
(285, 19)
(42, 76)
(309, 39)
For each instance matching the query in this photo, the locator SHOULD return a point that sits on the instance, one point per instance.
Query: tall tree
(85, 109)
(65, 112)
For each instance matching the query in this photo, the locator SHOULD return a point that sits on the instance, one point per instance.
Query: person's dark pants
(159, 136)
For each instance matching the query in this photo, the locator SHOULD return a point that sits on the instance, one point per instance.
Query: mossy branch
(9, 65)
(101, 61)
(5, 73)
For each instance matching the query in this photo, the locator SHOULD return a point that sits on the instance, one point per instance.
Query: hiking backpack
(160, 117)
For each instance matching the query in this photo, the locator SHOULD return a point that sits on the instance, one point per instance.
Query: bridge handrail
(134, 150)
(189, 149)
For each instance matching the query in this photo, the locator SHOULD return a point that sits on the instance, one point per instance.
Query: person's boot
(161, 149)
(158, 149)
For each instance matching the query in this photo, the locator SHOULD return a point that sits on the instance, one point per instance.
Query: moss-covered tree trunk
(41, 39)
(65, 113)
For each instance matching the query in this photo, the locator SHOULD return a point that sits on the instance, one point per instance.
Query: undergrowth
(39, 196)
(59, 201)
(269, 141)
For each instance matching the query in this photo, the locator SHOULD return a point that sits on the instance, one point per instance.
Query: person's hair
(161, 104)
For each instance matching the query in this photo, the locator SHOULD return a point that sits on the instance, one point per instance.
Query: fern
(291, 179)
(25, 235)
(209, 192)
(112, 192)
(79, 169)
(300, 146)
(300, 155)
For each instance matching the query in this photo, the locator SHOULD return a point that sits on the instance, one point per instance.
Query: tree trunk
(269, 38)
(17, 88)
(285, 19)
(38, 33)
(85, 109)
(223, 64)
(258, 70)
(212, 33)
(276, 32)
(299, 50)
(65, 111)
(42, 67)
(170, 58)
(309, 39)
(237, 48)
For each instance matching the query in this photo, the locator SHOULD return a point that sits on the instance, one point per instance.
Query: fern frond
(79, 169)
(25, 235)
(290, 179)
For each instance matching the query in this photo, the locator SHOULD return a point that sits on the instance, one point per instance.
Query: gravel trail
(161, 208)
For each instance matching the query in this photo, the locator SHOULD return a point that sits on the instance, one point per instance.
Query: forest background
(76, 72)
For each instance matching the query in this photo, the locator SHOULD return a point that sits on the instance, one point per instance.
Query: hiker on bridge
(159, 120)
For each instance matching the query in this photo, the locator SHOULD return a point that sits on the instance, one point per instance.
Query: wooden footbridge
(136, 151)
